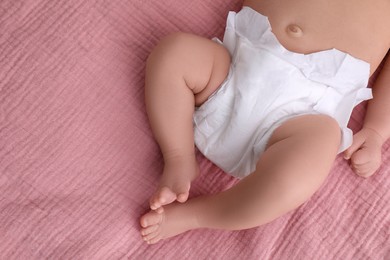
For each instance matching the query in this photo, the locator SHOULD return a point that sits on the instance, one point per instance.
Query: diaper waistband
(331, 67)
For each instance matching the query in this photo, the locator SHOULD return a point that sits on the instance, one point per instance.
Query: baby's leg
(181, 72)
(296, 162)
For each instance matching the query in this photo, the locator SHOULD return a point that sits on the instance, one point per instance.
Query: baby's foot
(175, 182)
(174, 220)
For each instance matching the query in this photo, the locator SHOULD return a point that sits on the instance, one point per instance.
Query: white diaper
(268, 85)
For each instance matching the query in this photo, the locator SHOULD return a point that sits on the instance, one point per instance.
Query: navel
(294, 30)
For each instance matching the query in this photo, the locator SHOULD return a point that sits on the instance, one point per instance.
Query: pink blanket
(78, 161)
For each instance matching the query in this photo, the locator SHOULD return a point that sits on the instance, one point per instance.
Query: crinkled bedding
(78, 161)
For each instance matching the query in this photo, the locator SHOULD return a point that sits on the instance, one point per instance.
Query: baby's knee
(173, 47)
(174, 41)
(166, 49)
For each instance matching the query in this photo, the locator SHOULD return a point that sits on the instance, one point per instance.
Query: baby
(269, 105)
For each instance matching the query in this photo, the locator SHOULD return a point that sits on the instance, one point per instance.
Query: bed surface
(78, 161)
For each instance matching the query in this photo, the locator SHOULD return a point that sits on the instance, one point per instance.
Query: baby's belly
(310, 26)
(268, 85)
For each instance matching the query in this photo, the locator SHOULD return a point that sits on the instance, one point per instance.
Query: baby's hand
(365, 152)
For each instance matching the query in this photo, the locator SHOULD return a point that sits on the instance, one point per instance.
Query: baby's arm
(365, 151)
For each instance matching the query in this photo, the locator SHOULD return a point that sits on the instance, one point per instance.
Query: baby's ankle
(179, 156)
(183, 166)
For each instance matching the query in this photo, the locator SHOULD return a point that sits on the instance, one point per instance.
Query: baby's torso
(358, 27)
(268, 85)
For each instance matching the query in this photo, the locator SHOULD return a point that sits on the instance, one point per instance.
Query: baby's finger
(359, 169)
(356, 145)
(363, 169)
(367, 172)
(361, 156)
(359, 163)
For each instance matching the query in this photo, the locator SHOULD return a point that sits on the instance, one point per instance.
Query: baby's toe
(162, 197)
(151, 218)
(152, 237)
(182, 197)
(149, 230)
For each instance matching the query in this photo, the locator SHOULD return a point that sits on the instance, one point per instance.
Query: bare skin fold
(184, 70)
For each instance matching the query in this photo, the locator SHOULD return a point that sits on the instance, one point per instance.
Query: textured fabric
(78, 161)
(268, 85)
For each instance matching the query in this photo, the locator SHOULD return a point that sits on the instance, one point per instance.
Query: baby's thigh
(297, 160)
(313, 138)
(202, 63)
